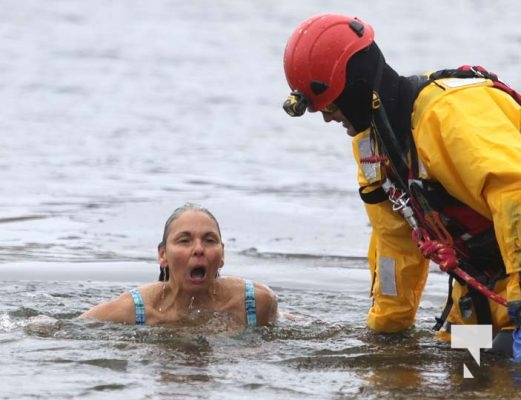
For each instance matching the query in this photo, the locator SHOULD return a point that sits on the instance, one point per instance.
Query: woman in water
(190, 288)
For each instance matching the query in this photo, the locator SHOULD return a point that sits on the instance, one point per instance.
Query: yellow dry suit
(467, 139)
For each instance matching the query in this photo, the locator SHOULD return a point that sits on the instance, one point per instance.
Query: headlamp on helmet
(296, 104)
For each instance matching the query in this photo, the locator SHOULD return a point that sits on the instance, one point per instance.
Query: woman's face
(193, 251)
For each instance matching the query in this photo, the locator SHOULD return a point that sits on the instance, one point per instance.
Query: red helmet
(316, 57)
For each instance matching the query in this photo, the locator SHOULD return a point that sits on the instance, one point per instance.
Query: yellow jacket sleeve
(398, 271)
(468, 138)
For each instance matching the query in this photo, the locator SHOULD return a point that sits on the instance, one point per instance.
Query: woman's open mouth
(198, 274)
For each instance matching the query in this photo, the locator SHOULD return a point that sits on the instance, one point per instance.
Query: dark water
(327, 353)
(114, 112)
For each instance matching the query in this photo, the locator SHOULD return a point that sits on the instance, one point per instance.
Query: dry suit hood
(363, 74)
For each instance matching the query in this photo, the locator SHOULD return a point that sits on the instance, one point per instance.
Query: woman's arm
(120, 309)
(266, 303)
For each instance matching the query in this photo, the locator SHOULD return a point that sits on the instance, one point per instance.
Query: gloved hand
(514, 312)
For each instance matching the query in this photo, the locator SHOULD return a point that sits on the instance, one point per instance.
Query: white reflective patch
(421, 168)
(459, 82)
(365, 150)
(388, 276)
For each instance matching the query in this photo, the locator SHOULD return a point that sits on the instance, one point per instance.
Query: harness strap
(481, 306)
(476, 71)
(446, 310)
(389, 143)
(374, 197)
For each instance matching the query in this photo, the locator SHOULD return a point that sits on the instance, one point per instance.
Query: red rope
(373, 159)
(479, 286)
(445, 257)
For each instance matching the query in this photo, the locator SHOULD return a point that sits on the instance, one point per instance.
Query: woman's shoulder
(119, 309)
(265, 298)
(266, 302)
(148, 289)
(237, 283)
(230, 282)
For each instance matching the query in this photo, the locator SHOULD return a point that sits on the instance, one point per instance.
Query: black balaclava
(367, 71)
(362, 74)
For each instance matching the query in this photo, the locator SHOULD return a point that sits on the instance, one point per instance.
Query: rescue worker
(439, 159)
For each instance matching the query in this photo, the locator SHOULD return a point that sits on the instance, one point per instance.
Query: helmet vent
(357, 28)
(318, 87)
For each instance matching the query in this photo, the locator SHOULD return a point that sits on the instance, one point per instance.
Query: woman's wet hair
(181, 210)
(164, 272)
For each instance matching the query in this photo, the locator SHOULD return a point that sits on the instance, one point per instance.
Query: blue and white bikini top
(251, 311)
